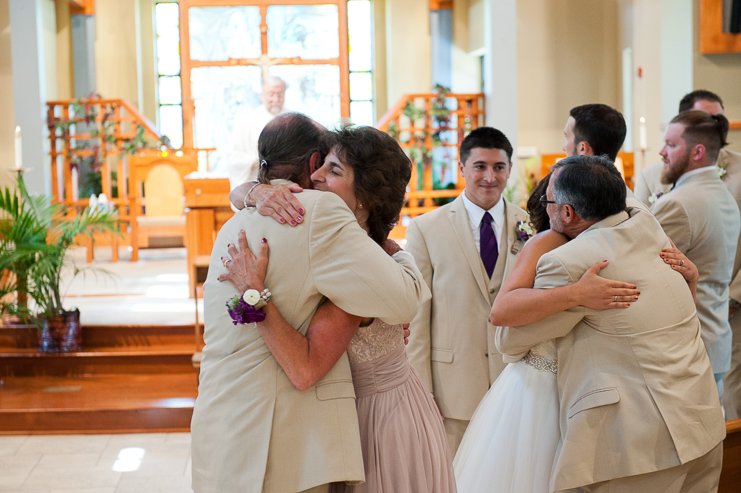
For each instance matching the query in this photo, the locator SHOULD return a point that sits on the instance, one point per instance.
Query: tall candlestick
(18, 149)
(642, 140)
(75, 179)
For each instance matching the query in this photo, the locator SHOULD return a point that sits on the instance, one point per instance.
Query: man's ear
(315, 162)
(698, 152)
(569, 214)
(584, 149)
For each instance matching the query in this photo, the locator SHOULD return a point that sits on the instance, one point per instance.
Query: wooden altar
(207, 209)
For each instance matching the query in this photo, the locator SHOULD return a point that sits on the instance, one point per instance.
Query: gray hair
(273, 81)
(591, 185)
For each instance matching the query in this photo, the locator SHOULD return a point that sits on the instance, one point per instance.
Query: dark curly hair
(539, 219)
(382, 172)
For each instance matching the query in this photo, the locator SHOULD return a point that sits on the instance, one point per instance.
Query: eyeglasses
(544, 200)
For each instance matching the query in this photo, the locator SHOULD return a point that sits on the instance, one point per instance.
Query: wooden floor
(127, 379)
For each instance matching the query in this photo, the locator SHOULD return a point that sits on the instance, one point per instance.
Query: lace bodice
(543, 357)
(374, 341)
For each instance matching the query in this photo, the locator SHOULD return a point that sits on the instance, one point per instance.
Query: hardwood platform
(127, 379)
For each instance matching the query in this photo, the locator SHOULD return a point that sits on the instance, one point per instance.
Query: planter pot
(60, 333)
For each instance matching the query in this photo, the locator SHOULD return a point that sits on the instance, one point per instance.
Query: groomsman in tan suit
(649, 186)
(464, 251)
(252, 430)
(594, 130)
(702, 218)
(639, 407)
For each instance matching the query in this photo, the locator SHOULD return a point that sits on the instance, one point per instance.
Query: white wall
(7, 117)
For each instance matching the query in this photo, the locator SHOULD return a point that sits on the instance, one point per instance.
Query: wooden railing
(430, 127)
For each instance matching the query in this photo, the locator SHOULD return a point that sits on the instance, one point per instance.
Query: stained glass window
(169, 95)
(306, 31)
(221, 33)
(359, 22)
(220, 93)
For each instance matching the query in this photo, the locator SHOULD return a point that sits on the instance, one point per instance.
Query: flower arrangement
(654, 197)
(243, 313)
(524, 230)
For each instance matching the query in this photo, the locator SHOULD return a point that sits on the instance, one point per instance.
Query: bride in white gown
(511, 441)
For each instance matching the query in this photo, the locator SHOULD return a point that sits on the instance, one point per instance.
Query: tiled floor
(142, 463)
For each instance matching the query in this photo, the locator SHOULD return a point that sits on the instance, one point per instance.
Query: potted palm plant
(35, 236)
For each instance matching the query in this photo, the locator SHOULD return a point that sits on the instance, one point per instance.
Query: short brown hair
(285, 147)
(703, 128)
(382, 172)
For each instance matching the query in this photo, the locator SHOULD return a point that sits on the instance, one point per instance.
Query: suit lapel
(462, 227)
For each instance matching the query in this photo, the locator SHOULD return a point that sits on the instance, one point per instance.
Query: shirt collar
(692, 173)
(476, 213)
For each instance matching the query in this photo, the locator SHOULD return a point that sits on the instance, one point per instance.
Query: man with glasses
(464, 250)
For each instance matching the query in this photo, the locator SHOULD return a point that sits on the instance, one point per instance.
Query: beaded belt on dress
(541, 364)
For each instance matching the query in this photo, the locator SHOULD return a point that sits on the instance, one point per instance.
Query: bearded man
(702, 218)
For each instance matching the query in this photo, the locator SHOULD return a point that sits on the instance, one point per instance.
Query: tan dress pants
(322, 488)
(454, 429)
(732, 379)
(697, 476)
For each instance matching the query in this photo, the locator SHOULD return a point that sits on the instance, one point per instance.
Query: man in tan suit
(452, 342)
(702, 218)
(649, 186)
(252, 430)
(639, 407)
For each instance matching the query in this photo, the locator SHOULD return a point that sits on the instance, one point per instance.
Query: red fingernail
(264, 240)
(282, 220)
(293, 223)
(300, 218)
(300, 211)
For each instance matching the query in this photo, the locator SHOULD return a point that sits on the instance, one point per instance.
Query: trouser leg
(454, 429)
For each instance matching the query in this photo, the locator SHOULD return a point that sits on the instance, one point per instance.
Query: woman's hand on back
(599, 293)
(244, 269)
(276, 201)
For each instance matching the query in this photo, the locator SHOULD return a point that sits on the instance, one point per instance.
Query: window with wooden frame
(227, 47)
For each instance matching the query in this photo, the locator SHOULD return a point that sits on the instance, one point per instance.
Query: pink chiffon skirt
(405, 449)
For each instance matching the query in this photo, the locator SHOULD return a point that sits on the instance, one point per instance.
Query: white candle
(18, 149)
(642, 139)
(74, 184)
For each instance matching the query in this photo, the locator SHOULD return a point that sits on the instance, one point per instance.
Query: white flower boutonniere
(524, 231)
(721, 171)
(654, 197)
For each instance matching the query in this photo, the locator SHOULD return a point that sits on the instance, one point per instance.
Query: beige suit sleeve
(420, 339)
(674, 221)
(642, 192)
(355, 273)
(516, 341)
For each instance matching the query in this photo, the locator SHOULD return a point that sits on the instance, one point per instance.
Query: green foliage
(36, 235)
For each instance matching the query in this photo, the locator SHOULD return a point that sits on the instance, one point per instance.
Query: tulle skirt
(511, 441)
(405, 449)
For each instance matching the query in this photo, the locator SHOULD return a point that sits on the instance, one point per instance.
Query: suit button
(492, 291)
(486, 354)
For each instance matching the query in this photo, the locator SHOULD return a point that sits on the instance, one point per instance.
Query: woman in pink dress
(404, 445)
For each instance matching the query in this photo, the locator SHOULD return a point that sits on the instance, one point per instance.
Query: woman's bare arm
(305, 359)
(519, 304)
(276, 201)
(680, 263)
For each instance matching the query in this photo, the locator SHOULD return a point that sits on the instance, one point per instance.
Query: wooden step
(95, 337)
(730, 476)
(27, 363)
(97, 404)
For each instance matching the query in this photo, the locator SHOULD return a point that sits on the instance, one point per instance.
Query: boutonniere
(654, 197)
(721, 170)
(523, 230)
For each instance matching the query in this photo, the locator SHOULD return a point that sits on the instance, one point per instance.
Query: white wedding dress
(511, 441)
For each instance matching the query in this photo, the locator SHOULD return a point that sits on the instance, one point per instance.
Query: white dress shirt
(476, 215)
(242, 156)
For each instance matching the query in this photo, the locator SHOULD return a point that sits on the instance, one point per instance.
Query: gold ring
(226, 262)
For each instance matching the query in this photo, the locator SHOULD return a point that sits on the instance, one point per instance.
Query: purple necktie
(489, 248)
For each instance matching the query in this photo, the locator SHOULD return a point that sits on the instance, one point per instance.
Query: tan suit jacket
(702, 219)
(252, 430)
(635, 385)
(648, 183)
(452, 341)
